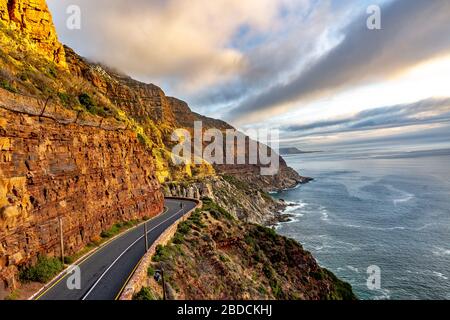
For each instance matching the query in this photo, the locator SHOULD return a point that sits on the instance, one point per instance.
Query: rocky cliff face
(27, 26)
(159, 115)
(250, 173)
(33, 21)
(244, 201)
(86, 144)
(146, 108)
(89, 177)
(57, 160)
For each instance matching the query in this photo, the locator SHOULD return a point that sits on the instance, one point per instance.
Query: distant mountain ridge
(293, 150)
(69, 126)
(84, 149)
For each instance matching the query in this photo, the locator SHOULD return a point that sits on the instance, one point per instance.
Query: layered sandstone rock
(89, 177)
(285, 178)
(33, 21)
(245, 202)
(160, 115)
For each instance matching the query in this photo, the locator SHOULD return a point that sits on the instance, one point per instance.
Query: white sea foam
(352, 268)
(429, 272)
(284, 190)
(403, 200)
(292, 219)
(325, 215)
(412, 272)
(405, 196)
(385, 294)
(440, 275)
(294, 209)
(441, 252)
(374, 228)
(294, 206)
(423, 227)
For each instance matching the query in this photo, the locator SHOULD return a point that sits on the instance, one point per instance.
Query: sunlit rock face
(33, 20)
(89, 177)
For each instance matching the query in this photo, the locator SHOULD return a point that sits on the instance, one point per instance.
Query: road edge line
(134, 283)
(49, 285)
(121, 255)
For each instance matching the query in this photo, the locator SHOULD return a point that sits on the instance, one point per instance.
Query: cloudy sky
(311, 68)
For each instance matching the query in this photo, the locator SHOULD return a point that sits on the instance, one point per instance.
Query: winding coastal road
(105, 273)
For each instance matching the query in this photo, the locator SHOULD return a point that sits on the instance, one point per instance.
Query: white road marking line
(118, 258)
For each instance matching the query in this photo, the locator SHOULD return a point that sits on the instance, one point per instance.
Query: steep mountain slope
(84, 143)
(55, 161)
(33, 21)
(214, 256)
(63, 77)
(159, 115)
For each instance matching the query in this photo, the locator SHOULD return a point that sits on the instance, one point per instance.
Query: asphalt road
(105, 272)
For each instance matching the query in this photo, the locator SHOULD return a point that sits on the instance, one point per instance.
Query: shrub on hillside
(144, 294)
(43, 271)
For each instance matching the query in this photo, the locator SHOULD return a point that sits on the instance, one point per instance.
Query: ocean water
(388, 210)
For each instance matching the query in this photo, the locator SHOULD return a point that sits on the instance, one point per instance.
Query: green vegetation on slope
(43, 271)
(87, 88)
(214, 256)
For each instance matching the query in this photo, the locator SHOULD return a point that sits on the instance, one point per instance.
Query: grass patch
(265, 232)
(184, 228)
(236, 182)
(66, 99)
(14, 295)
(196, 218)
(142, 139)
(216, 211)
(277, 290)
(178, 238)
(162, 253)
(144, 294)
(167, 253)
(7, 86)
(86, 101)
(52, 71)
(118, 228)
(151, 271)
(342, 290)
(111, 232)
(88, 248)
(91, 106)
(43, 271)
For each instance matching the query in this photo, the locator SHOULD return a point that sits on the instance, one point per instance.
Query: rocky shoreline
(214, 256)
(243, 200)
(281, 216)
